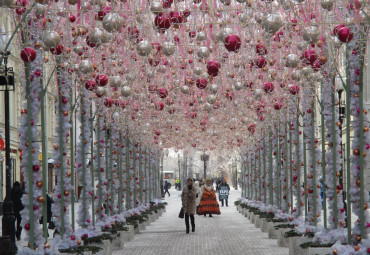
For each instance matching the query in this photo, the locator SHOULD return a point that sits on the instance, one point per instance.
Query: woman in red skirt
(208, 203)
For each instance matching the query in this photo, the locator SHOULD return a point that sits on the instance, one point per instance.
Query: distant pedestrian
(16, 195)
(223, 192)
(188, 197)
(166, 187)
(208, 203)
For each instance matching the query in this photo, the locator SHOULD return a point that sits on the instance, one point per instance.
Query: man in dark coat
(223, 192)
(16, 195)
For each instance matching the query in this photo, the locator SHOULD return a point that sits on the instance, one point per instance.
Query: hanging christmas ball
(272, 23)
(156, 7)
(213, 88)
(203, 52)
(268, 87)
(201, 36)
(100, 91)
(115, 81)
(260, 49)
(293, 89)
(162, 93)
(126, 91)
(260, 62)
(144, 48)
(101, 80)
(292, 60)
(40, 199)
(201, 83)
(57, 50)
(28, 54)
(85, 67)
(162, 21)
(311, 34)
(112, 22)
(309, 56)
(159, 106)
(90, 85)
(208, 107)
(327, 4)
(168, 48)
(108, 102)
(232, 43)
(51, 39)
(211, 99)
(98, 36)
(27, 226)
(176, 17)
(345, 34)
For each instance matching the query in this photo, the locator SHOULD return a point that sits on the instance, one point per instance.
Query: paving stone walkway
(227, 234)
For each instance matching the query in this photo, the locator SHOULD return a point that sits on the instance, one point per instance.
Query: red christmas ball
(27, 226)
(229, 95)
(108, 102)
(163, 93)
(28, 54)
(167, 3)
(159, 106)
(336, 28)
(251, 128)
(201, 83)
(278, 105)
(213, 67)
(186, 13)
(101, 80)
(162, 21)
(133, 32)
(90, 85)
(260, 49)
(268, 87)
(309, 56)
(294, 89)
(72, 18)
(345, 34)
(316, 66)
(232, 43)
(169, 101)
(89, 42)
(176, 17)
(57, 50)
(36, 168)
(248, 84)
(260, 62)
(103, 11)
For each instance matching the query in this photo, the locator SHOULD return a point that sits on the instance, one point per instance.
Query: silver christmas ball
(208, 107)
(185, 89)
(292, 60)
(213, 88)
(100, 91)
(238, 85)
(156, 7)
(115, 81)
(78, 49)
(144, 48)
(296, 75)
(116, 115)
(211, 99)
(311, 34)
(98, 36)
(85, 66)
(201, 36)
(203, 52)
(285, 4)
(198, 70)
(168, 48)
(112, 22)
(306, 70)
(302, 45)
(257, 94)
(51, 39)
(327, 4)
(129, 77)
(272, 23)
(225, 32)
(162, 68)
(126, 91)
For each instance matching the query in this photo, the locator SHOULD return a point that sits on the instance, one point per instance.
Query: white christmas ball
(98, 36)
(129, 77)
(302, 45)
(112, 22)
(51, 39)
(292, 60)
(156, 7)
(272, 23)
(238, 85)
(116, 115)
(208, 107)
(296, 75)
(257, 94)
(144, 48)
(211, 99)
(168, 48)
(126, 91)
(311, 34)
(203, 52)
(306, 70)
(213, 88)
(85, 66)
(100, 91)
(185, 89)
(225, 32)
(198, 70)
(115, 81)
(201, 36)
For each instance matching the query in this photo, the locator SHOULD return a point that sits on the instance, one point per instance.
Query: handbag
(181, 214)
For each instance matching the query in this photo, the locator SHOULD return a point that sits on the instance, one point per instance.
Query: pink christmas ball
(176, 17)
(162, 93)
(28, 54)
(278, 105)
(337, 27)
(294, 89)
(213, 67)
(260, 62)
(232, 43)
(159, 106)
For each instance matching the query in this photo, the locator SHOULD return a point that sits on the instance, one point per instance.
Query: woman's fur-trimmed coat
(188, 199)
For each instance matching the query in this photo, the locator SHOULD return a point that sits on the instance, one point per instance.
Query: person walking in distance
(188, 197)
(223, 192)
(208, 202)
(166, 184)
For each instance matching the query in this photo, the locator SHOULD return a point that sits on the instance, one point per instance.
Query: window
(168, 176)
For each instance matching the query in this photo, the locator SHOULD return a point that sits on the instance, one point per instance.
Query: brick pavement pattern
(228, 233)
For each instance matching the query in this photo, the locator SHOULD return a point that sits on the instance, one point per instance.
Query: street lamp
(205, 157)
(6, 85)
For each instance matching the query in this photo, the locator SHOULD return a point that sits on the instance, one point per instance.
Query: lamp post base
(8, 225)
